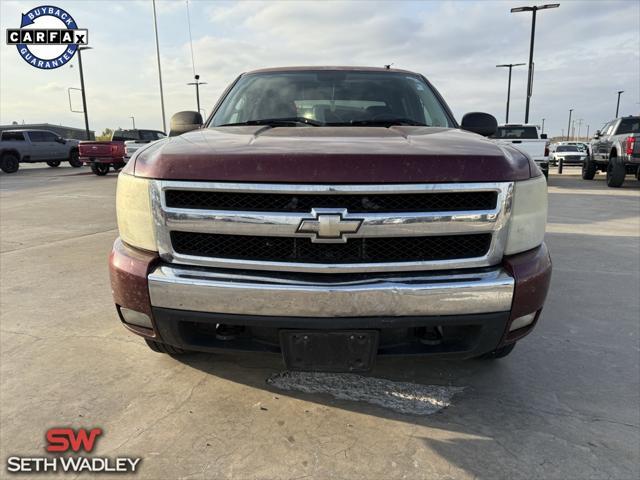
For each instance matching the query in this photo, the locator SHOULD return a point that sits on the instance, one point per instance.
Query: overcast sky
(585, 52)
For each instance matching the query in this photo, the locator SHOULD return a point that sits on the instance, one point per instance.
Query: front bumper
(230, 292)
(474, 308)
(571, 160)
(109, 160)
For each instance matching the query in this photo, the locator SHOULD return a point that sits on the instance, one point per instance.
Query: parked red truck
(103, 155)
(331, 215)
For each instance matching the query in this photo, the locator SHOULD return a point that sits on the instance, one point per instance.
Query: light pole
(84, 96)
(197, 83)
(580, 127)
(510, 65)
(133, 119)
(155, 28)
(534, 9)
(620, 92)
(569, 126)
(587, 133)
(542, 126)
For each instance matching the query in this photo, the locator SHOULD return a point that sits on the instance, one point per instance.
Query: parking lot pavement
(564, 405)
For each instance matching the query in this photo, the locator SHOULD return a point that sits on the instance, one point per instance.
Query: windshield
(568, 148)
(144, 135)
(122, 135)
(517, 132)
(629, 125)
(342, 98)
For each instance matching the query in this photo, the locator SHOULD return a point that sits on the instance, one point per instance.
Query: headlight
(528, 215)
(133, 209)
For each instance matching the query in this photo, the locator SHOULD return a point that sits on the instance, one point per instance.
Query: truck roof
(329, 68)
(28, 130)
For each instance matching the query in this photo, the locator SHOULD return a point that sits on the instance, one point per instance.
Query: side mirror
(480, 123)
(183, 122)
(597, 134)
(543, 136)
(61, 140)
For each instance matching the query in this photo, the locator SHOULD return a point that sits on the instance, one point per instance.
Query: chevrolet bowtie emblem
(329, 226)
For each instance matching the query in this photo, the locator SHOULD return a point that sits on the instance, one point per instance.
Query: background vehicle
(614, 150)
(113, 153)
(552, 148)
(568, 154)
(306, 218)
(527, 139)
(142, 138)
(32, 146)
(581, 145)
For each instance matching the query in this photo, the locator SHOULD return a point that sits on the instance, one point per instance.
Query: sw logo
(47, 48)
(65, 439)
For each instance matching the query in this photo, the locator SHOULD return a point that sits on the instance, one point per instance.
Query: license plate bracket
(329, 351)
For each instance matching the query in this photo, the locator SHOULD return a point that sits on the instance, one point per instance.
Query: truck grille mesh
(355, 250)
(283, 202)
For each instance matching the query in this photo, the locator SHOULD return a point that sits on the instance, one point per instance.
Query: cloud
(583, 55)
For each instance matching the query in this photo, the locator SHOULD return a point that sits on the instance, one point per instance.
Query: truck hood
(331, 155)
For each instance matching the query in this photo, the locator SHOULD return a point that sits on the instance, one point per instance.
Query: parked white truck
(527, 139)
(31, 146)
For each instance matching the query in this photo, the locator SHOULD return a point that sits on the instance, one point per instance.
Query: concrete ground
(564, 405)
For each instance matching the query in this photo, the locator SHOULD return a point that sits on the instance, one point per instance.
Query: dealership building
(63, 131)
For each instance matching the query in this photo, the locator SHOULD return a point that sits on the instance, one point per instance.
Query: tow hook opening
(430, 335)
(228, 332)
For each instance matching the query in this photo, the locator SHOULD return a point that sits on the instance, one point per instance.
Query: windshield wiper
(277, 122)
(382, 122)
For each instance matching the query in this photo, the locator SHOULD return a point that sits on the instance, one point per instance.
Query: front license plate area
(329, 351)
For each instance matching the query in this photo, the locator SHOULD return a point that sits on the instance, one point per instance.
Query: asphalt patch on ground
(403, 397)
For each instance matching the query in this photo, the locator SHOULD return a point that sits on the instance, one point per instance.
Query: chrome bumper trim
(268, 294)
(274, 224)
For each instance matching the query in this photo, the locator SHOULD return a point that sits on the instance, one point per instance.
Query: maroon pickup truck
(331, 215)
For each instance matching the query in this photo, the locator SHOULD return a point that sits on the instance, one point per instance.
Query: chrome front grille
(356, 250)
(356, 202)
(331, 228)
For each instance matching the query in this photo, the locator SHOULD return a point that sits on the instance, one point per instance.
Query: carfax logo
(52, 41)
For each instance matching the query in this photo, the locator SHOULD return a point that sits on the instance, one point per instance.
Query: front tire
(615, 172)
(9, 163)
(100, 169)
(74, 159)
(499, 352)
(589, 168)
(53, 163)
(164, 348)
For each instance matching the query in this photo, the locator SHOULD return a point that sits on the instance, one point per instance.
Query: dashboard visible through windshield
(336, 98)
